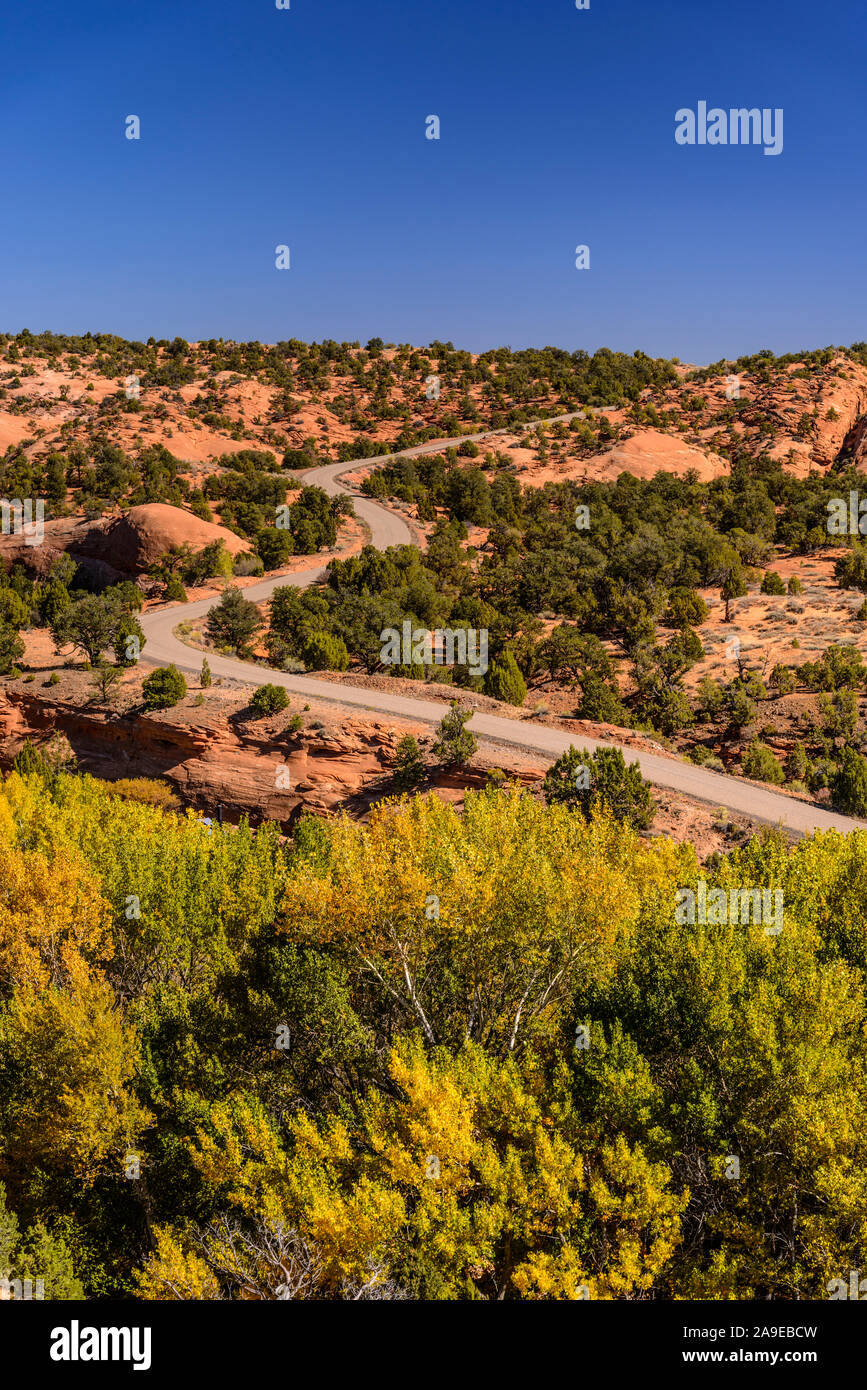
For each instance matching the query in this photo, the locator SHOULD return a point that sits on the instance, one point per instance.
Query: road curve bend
(388, 528)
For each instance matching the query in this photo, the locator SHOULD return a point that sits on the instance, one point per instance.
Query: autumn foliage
(444, 1055)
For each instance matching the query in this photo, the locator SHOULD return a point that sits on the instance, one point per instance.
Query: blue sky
(306, 127)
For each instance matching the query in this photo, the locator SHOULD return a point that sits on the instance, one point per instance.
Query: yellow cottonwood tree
(472, 926)
(470, 1178)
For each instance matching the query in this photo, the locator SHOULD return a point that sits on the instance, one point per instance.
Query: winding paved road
(388, 528)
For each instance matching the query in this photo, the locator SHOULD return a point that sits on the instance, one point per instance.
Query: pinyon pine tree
(505, 682)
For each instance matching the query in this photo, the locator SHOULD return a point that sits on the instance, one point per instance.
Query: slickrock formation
(119, 545)
(648, 452)
(253, 767)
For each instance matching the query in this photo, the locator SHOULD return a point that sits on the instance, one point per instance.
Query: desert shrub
(163, 688)
(14, 612)
(409, 765)
(739, 704)
(129, 639)
(760, 764)
(797, 764)
(455, 744)
(734, 586)
(503, 680)
(587, 781)
(839, 667)
(269, 699)
(275, 546)
(601, 702)
(127, 595)
(174, 590)
(711, 697)
(772, 583)
(848, 784)
(850, 571)
(782, 679)
(247, 564)
(105, 678)
(686, 608)
(838, 714)
(234, 621)
(324, 652)
(668, 711)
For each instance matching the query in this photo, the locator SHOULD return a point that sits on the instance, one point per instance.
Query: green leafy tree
(37, 1255)
(503, 680)
(234, 622)
(129, 639)
(409, 765)
(455, 745)
(760, 763)
(585, 781)
(569, 654)
(734, 586)
(105, 678)
(163, 688)
(90, 624)
(772, 583)
(848, 784)
(53, 601)
(269, 699)
(11, 649)
(322, 651)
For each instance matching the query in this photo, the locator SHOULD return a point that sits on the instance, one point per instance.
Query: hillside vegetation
(449, 1056)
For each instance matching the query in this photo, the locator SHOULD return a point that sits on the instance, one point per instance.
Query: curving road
(387, 528)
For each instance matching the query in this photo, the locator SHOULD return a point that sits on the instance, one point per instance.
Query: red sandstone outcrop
(648, 452)
(252, 767)
(120, 545)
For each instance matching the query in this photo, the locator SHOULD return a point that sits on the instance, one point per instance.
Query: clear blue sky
(306, 127)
